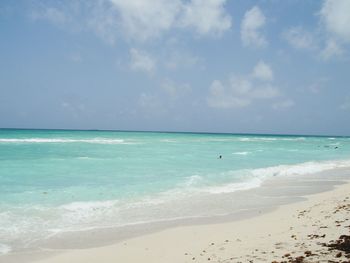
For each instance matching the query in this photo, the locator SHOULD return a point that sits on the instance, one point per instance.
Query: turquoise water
(52, 181)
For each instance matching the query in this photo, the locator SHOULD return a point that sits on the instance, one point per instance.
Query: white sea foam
(148, 201)
(255, 177)
(241, 153)
(300, 169)
(61, 140)
(168, 140)
(217, 140)
(268, 139)
(89, 206)
(4, 249)
(193, 180)
(26, 223)
(233, 187)
(80, 214)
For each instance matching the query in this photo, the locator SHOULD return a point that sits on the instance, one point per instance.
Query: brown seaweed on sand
(342, 244)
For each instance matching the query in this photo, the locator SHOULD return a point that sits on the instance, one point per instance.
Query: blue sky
(182, 65)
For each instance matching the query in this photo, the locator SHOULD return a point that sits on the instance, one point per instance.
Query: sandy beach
(315, 229)
(174, 131)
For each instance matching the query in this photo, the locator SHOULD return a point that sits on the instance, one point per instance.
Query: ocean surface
(56, 181)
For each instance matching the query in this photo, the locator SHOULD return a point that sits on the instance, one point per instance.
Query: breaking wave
(241, 153)
(59, 140)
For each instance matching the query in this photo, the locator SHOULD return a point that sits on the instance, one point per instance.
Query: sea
(58, 181)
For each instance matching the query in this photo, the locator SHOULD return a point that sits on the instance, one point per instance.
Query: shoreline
(180, 230)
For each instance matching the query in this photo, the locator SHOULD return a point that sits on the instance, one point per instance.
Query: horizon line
(188, 132)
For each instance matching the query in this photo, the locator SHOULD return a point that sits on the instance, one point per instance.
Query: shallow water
(53, 182)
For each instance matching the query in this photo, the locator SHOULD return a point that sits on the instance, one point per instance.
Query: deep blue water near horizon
(52, 181)
(177, 132)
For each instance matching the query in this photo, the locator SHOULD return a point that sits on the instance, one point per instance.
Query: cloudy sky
(176, 65)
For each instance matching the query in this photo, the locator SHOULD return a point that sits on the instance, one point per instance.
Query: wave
(233, 187)
(267, 139)
(255, 177)
(193, 180)
(302, 168)
(60, 140)
(78, 214)
(241, 153)
(244, 179)
(89, 206)
(169, 140)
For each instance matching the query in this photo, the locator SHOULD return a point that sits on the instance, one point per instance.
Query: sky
(235, 66)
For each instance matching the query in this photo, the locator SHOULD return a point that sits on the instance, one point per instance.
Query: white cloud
(332, 49)
(333, 34)
(265, 91)
(138, 20)
(144, 19)
(285, 104)
(263, 71)
(223, 97)
(174, 89)
(240, 85)
(299, 38)
(241, 91)
(335, 15)
(98, 17)
(141, 61)
(181, 59)
(206, 16)
(102, 20)
(253, 21)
